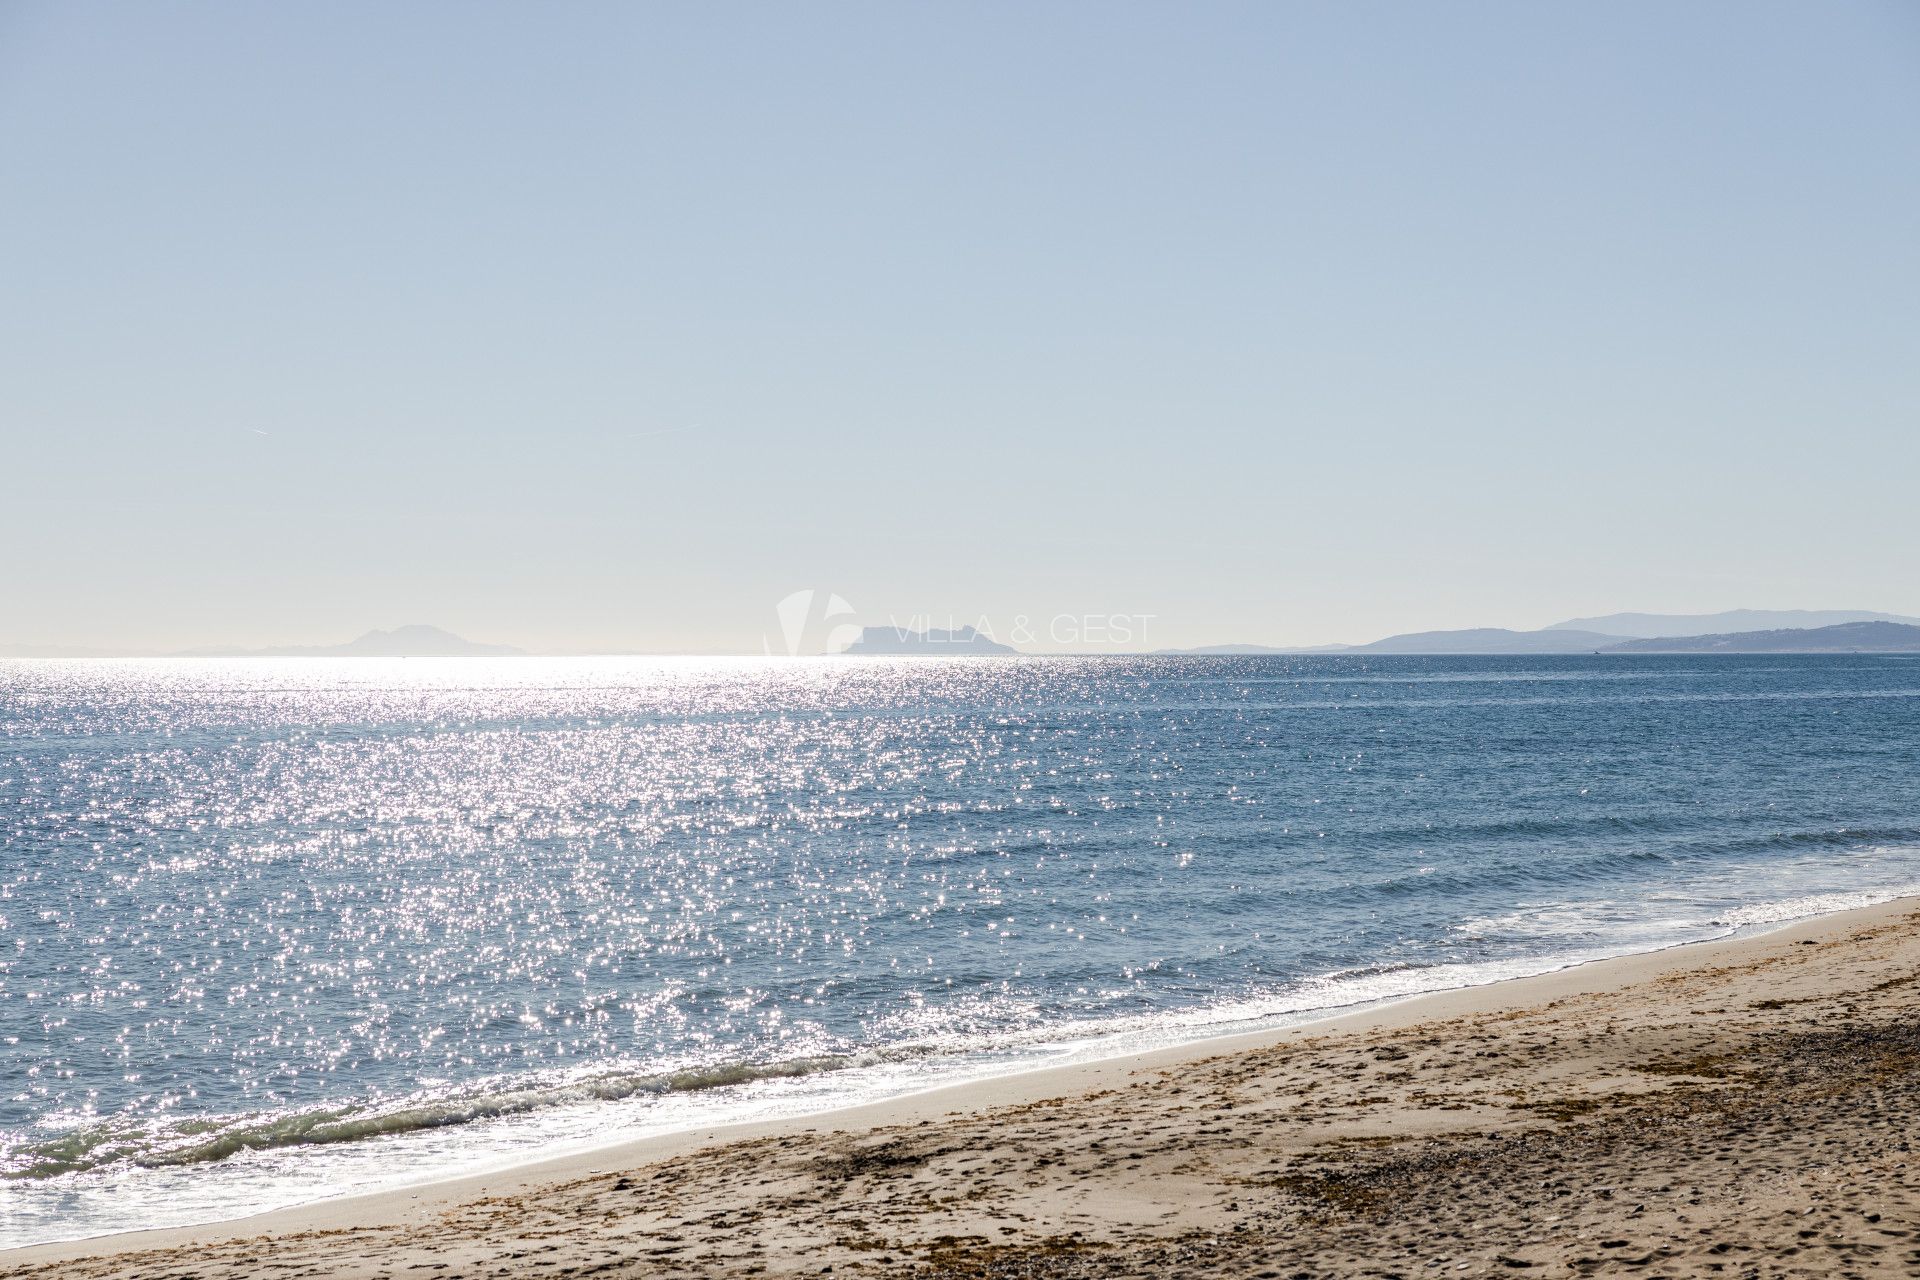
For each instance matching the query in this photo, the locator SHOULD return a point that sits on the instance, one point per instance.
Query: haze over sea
(278, 928)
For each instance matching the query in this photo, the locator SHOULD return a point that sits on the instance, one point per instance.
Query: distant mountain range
(1858, 632)
(899, 640)
(1736, 631)
(1649, 625)
(1847, 637)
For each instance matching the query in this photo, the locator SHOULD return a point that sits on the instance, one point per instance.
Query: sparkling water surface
(274, 929)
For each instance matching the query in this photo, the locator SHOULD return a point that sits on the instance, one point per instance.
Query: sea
(276, 930)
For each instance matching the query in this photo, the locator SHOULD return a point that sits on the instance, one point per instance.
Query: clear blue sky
(607, 326)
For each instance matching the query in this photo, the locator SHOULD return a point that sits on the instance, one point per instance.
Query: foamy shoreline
(422, 1202)
(818, 1096)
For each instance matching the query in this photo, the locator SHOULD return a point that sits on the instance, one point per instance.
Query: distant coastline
(1734, 632)
(1850, 637)
(1737, 631)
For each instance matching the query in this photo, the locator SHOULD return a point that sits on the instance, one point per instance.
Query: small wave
(1762, 914)
(1048, 1031)
(205, 1140)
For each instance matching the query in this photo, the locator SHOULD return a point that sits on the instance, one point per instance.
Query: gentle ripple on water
(271, 929)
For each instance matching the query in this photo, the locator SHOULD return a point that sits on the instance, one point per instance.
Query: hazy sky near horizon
(593, 326)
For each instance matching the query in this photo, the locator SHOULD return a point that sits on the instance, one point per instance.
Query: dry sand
(1740, 1108)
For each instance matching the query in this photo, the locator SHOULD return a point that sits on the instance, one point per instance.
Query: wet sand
(1739, 1108)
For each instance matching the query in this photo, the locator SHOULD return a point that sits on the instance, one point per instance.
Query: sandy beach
(1740, 1108)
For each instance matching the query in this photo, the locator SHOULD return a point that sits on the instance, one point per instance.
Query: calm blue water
(273, 929)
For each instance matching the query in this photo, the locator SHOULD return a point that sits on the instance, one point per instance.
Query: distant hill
(1650, 625)
(1489, 640)
(899, 640)
(1848, 637)
(415, 641)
